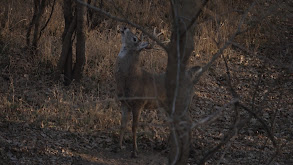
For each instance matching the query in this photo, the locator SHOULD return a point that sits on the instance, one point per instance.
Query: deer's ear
(142, 45)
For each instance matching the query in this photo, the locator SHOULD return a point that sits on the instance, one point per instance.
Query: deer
(137, 88)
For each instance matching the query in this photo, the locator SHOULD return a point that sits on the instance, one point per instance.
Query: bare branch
(175, 10)
(215, 115)
(233, 92)
(192, 22)
(137, 98)
(234, 44)
(272, 138)
(269, 132)
(271, 159)
(176, 30)
(124, 20)
(232, 132)
(254, 23)
(227, 43)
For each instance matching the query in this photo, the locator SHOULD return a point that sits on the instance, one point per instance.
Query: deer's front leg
(136, 114)
(125, 113)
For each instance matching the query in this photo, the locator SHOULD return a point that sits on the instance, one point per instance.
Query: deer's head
(130, 41)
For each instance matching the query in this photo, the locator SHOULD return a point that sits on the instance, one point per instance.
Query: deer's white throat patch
(123, 52)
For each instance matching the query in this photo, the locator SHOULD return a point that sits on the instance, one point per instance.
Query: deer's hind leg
(125, 113)
(136, 114)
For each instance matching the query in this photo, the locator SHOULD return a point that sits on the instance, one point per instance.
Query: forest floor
(29, 135)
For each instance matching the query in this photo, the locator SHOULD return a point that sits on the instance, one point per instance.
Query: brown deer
(137, 88)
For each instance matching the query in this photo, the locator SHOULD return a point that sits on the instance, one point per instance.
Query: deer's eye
(134, 39)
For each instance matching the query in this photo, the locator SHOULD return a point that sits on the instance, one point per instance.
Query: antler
(156, 35)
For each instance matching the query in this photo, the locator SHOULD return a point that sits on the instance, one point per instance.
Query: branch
(195, 17)
(214, 116)
(174, 5)
(272, 138)
(271, 159)
(246, 50)
(176, 22)
(233, 92)
(270, 134)
(227, 43)
(137, 98)
(238, 32)
(256, 22)
(232, 132)
(124, 20)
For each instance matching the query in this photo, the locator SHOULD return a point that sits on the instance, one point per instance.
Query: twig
(232, 132)
(254, 93)
(117, 8)
(234, 44)
(233, 92)
(237, 125)
(137, 98)
(273, 122)
(214, 116)
(227, 43)
(256, 22)
(125, 21)
(272, 130)
(224, 153)
(272, 138)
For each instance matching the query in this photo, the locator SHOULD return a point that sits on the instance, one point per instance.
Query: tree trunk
(37, 24)
(65, 60)
(74, 22)
(68, 65)
(179, 93)
(39, 8)
(80, 43)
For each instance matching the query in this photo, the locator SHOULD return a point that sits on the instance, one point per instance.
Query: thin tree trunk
(80, 43)
(66, 47)
(37, 25)
(68, 16)
(48, 20)
(74, 22)
(36, 11)
(39, 8)
(65, 60)
(178, 97)
(68, 66)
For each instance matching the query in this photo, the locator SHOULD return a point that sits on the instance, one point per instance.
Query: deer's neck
(123, 51)
(128, 61)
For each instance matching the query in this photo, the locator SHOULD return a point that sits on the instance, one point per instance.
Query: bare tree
(74, 15)
(179, 51)
(35, 24)
(185, 16)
